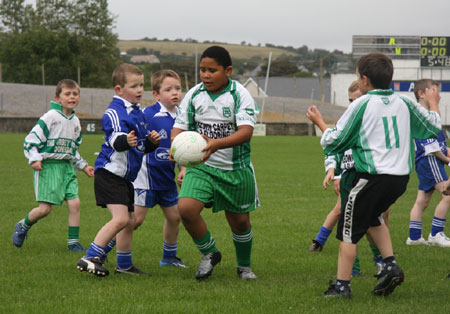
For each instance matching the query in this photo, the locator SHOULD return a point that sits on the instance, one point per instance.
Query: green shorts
(56, 182)
(233, 191)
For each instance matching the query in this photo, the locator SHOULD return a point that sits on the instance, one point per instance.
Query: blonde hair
(119, 76)
(68, 83)
(159, 76)
(354, 86)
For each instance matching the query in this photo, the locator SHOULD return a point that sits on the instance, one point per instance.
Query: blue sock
(95, 251)
(437, 225)
(415, 230)
(110, 246)
(323, 235)
(169, 250)
(124, 260)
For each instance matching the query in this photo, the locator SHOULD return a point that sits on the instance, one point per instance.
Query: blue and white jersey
(120, 118)
(426, 148)
(157, 172)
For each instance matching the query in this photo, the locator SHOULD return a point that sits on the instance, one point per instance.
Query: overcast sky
(327, 24)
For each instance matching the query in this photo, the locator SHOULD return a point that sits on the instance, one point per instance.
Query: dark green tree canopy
(63, 36)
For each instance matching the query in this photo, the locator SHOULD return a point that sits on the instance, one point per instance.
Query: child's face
(213, 75)
(133, 89)
(68, 98)
(354, 95)
(170, 92)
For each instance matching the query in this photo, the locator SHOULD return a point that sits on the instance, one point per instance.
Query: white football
(187, 148)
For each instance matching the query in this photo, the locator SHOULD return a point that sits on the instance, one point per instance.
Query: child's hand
(180, 176)
(433, 97)
(37, 165)
(328, 177)
(337, 186)
(154, 137)
(132, 139)
(89, 171)
(210, 148)
(313, 114)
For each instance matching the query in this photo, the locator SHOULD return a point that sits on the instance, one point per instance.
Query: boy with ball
(223, 111)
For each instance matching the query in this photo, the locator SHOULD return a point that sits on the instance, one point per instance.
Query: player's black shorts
(369, 197)
(112, 189)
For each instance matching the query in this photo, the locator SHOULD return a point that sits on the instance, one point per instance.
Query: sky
(324, 24)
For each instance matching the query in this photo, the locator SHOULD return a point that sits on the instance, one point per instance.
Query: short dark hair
(119, 76)
(218, 53)
(378, 68)
(68, 83)
(159, 76)
(422, 84)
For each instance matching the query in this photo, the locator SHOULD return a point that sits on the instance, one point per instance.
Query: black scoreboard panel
(434, 51)
(396, 47)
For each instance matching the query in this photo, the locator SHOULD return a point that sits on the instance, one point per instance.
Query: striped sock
(206, 244)
(323, 235)
(437, 225)
(356, 265)
(73, 235)
(110, 246)
(95, 251)
(27, 223)
(169, 250)
(243, 245)
(415, 230)
(124, 260)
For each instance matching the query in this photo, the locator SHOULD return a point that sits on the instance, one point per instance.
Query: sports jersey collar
(58, 106)
(231, 87)
(164, 110)
(382, 92)
(128, 104)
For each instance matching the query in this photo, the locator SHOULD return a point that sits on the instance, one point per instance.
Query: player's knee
(44, 210)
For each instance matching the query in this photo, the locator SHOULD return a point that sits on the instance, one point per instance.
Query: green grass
(41, 277)
(178, 48)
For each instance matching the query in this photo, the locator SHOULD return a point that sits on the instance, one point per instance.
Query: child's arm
(440, 155)
(328, 177)
(433, 97)
(242, 135)
(152, 141)
(89, 171)
(180, 176)
(313, 114)
(37, 165)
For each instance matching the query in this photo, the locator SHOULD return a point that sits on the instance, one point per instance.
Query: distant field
(178, 48)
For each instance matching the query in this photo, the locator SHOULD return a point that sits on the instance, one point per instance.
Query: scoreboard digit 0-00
(434, 51)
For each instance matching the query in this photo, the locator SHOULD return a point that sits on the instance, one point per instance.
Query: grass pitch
(41, 277)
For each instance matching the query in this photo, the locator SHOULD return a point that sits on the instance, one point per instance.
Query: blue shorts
(430, 172)
(151, 198)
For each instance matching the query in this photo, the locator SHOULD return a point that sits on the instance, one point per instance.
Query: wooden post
(321, 80)
(1, 77)
(43, 74)
(79, 77)
(186, 81)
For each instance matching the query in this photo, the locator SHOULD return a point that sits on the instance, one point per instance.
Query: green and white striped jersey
(219, 116)
(55, 136)
(379, 128)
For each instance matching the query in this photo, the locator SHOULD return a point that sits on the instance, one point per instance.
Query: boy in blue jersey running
(224, 112)
(379, 128)
(116, 167)
(155, 184)
(431, 157)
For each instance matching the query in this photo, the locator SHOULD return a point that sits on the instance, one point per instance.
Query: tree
(64, 35)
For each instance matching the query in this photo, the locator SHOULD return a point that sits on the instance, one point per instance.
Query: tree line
(56, 39)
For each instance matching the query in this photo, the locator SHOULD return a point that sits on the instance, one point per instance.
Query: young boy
(342, 163)
(116, 167)
(224, 112)
(155, 182)
(431, 157)
(52, 151)
(379, 128)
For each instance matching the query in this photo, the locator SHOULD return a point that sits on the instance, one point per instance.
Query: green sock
(356, 266)
(243, 245)
(375, 250)
(28, 223)
(206, 244)
(74, 235)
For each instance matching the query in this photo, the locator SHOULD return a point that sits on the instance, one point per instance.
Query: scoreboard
(432, 51)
